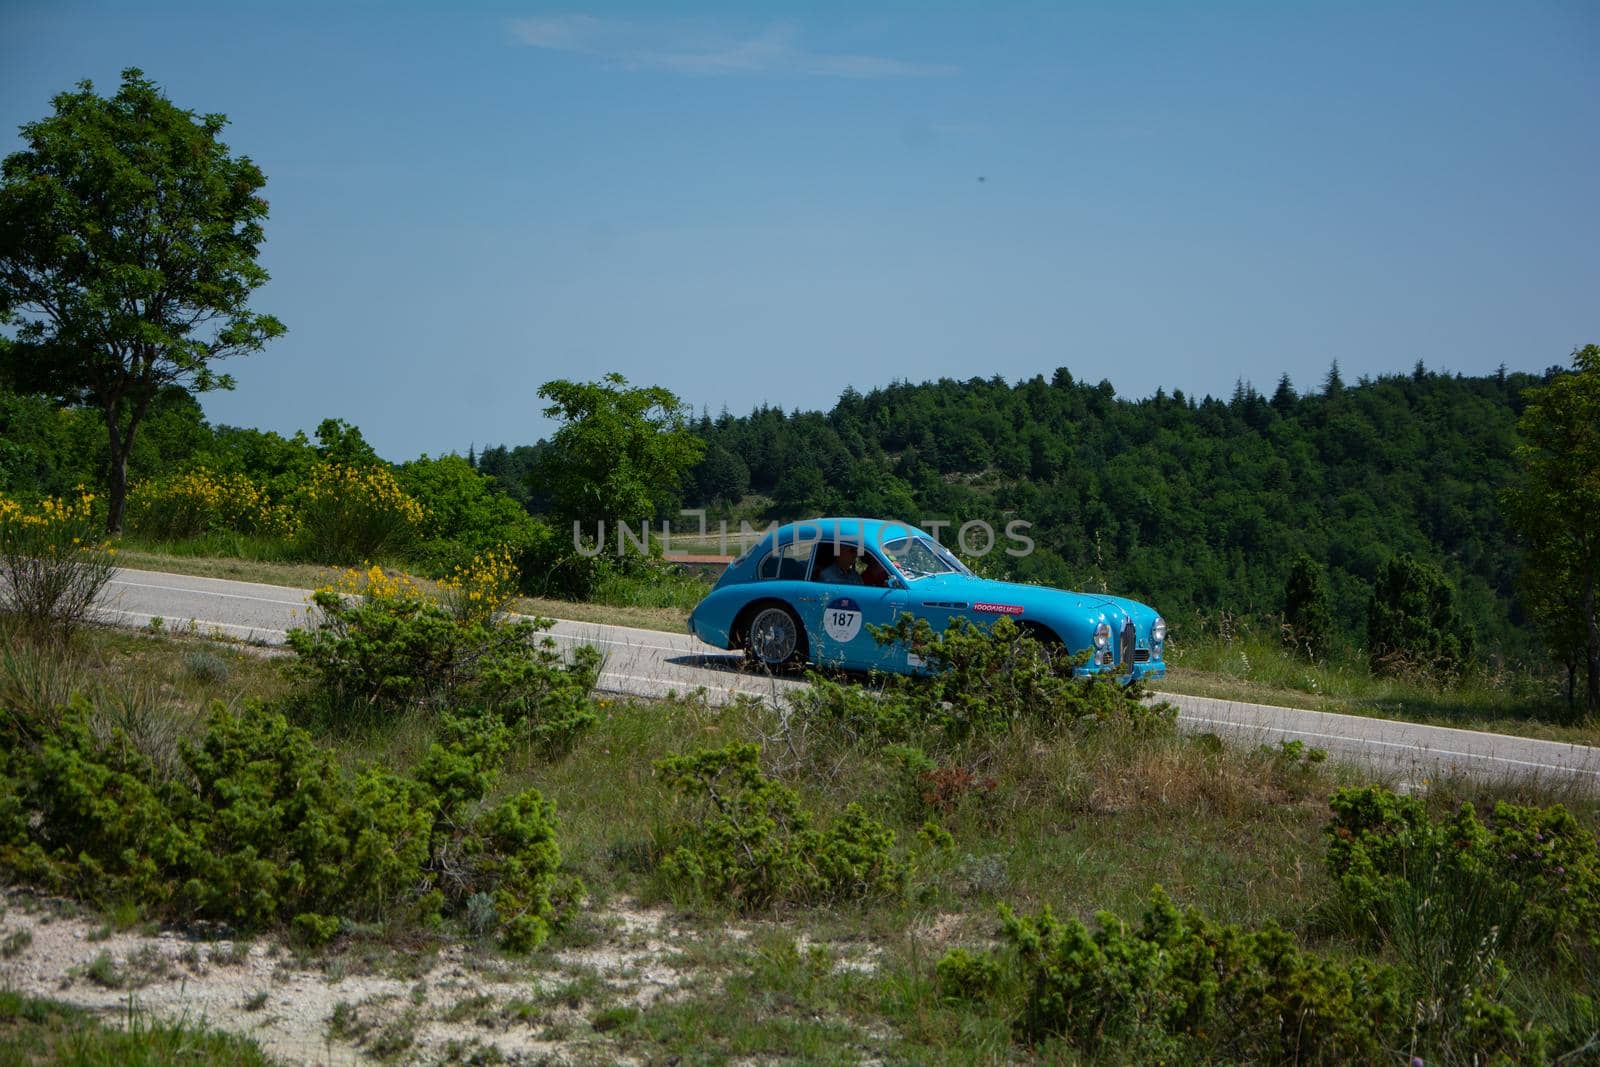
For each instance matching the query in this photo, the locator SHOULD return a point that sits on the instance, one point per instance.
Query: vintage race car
(809, 591)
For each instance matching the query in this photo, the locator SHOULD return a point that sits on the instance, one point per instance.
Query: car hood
(1033, 599)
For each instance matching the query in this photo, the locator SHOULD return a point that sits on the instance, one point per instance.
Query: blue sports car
(808, 591)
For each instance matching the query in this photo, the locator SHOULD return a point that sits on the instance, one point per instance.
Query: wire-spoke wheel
(774, 637)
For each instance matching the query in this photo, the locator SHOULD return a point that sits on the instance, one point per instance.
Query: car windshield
(918, 557)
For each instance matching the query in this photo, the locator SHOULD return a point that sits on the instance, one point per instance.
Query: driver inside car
(842, 571)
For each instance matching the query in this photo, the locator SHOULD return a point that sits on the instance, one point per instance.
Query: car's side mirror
(895, 583)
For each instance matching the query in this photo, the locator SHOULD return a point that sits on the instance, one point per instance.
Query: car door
(838, 618)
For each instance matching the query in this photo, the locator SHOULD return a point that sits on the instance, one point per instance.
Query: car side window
(787, 563)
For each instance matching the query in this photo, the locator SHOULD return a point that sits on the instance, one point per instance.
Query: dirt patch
(453, 1004)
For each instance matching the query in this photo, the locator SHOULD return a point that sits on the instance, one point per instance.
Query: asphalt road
(653, 664)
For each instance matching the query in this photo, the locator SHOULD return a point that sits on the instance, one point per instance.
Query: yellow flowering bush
(373, 583)
(482, 587)
(54, 561)
(200, 501)
(355, 513)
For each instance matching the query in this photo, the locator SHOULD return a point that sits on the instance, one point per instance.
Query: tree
(1307, 617)
(128, 244)
(1555, 505)
(341, 443)
(621, 453)
(721, 478)
(1412, 622)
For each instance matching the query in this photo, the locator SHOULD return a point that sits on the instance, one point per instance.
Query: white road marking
(208, 592)
(1372, 741)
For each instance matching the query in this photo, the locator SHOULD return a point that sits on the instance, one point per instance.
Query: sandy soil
(344, 1008)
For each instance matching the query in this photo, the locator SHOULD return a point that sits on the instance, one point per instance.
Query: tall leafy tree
(620, 454)
(1555, 505)
(128, 244)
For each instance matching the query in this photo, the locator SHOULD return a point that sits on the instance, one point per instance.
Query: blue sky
(752, 202)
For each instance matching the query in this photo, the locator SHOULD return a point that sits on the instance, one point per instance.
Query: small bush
(381, 647)
(479, 590)
(1536, 871)
(962, 975)
(467, 514)
(1413, 626)
(1307, 611)
(205, 666)
(752, 844)
(1183, 986)
(982, 681)
(54, 562)
(350, 514)
(263, 827)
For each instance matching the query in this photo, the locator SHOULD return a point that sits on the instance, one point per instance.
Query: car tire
(774, 637)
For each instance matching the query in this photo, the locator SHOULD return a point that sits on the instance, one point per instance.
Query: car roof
(850, 530)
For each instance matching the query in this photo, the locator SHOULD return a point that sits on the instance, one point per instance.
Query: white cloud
(777, 49)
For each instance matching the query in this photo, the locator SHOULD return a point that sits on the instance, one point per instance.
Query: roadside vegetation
(1010, 864)
(42, 1031)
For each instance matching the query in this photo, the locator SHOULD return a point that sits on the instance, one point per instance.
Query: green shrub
(466, 514)
(264, 827)
(393, 649)
(961, 975)
(1412, 622)
(1536, 871)
(552, 567)
(982, 681)
(1181, 982)
(752, 844)
(1307, 610)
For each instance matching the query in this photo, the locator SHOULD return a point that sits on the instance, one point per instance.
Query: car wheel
(774, 639)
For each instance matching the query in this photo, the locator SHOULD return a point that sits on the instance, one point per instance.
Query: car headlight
(1158, 632)
(1102, 635)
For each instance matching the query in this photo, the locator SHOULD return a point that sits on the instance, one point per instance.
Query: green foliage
(1307, 616)
(962, 975)
(1193, 504)
(381, 654)
(128, 201)
(44, 1031)
(752, 844)
(981, 681)
(620, 454)
(1553, 505)
(1412, 622)
(1182, 986)
(264, 827)
(46, 449)
(1531, 873)
(466, 514)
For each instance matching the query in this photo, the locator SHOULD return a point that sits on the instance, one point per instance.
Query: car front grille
(1129, 639)
(1141, 655)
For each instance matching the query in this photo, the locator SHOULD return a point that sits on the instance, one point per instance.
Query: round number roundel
(842, 619)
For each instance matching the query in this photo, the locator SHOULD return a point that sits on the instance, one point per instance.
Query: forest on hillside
(1198, 506)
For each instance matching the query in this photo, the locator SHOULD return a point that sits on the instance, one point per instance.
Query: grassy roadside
(39, 1031)
(1078, 821)
(1248, 669)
